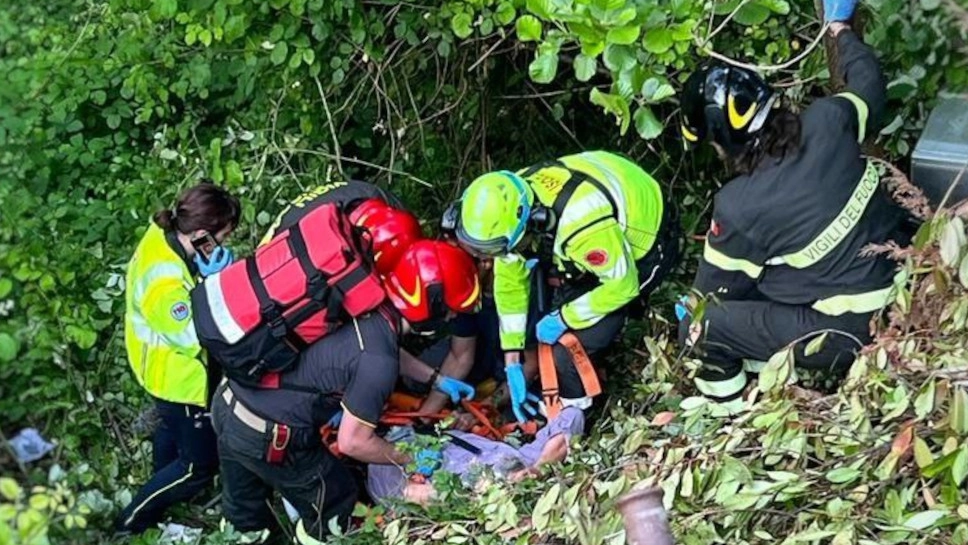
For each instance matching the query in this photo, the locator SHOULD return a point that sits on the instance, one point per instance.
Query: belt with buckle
(280, 433)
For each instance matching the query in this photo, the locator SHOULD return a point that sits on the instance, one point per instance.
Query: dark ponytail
(778, 138)
(205, 206)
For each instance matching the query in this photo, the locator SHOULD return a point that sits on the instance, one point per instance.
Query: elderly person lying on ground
(467, 455)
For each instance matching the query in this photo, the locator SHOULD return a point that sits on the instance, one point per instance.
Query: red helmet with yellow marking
(391, 231)
(431, 280)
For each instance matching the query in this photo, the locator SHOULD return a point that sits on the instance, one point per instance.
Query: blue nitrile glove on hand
(334, 421)
(454, 388)
(551, 328)
(521, 400)
(221, 257)
(838, 10)
(427, 462)
(681, 309)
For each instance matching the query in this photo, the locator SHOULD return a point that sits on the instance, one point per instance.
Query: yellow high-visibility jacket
(159, 335)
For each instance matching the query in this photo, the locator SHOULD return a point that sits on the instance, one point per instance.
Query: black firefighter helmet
(726, 104)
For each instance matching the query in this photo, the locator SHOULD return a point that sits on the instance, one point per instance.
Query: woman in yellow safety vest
(179, 246)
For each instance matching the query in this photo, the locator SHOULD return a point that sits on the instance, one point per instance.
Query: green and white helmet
(494, 212)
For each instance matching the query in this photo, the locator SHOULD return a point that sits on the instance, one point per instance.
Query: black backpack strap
(268, 308)
(317, 282)
(561, 201)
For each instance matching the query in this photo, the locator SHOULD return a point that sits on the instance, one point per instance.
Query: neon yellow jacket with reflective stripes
(159, 335)
(589, 236)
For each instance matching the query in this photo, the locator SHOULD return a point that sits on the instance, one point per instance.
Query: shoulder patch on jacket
(597, 257)
(180, 311)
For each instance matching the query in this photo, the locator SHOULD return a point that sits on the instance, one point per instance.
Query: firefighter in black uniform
(268, 438)
(783, 260)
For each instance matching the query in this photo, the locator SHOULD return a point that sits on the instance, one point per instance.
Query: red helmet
(391, 231)
(432, 278)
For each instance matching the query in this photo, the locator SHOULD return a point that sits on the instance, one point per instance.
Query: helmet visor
(493, 247)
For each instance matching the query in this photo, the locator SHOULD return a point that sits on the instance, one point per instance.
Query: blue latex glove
(681, 309)
(551, 328)
(521, 401)
(456, 389)
(334, 421)
(427, 462)
(221, 257)
(838, 10)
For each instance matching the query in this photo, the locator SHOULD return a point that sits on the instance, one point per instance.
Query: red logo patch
(714, 228)
(596, 258)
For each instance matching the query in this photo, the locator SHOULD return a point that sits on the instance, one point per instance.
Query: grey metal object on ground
(645, 519)
(942, 152)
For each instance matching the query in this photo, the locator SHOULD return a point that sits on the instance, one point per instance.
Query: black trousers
(734, 331)
(184, 463)
(652, 268)
(313, 480)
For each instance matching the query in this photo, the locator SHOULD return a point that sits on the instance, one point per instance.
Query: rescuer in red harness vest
(268, 439)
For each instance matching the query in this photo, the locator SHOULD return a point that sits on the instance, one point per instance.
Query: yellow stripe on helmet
(688, 135)
(736, 119)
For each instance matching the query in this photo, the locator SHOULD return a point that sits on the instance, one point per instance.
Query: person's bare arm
(412, 367)
(357, 439)
(457, 364)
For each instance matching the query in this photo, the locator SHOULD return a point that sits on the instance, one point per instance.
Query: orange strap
(549, 380)
(549, 373)
(589, 377)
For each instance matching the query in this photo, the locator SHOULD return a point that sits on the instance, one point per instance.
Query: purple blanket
(386, 481)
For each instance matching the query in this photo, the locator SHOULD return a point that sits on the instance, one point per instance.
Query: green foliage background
(109, 108)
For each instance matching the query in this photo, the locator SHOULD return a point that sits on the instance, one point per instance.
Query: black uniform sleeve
(371, 386)
(464, 325)
(862, 72)
(732, 261)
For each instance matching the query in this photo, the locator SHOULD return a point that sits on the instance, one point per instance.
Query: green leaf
(528, 28)
(205, 36)
(234, 28)
(461, 25)
(8, 347)
(843, 475)
(781, 7)
(233, 174)
(776, 372)
(924, 403)
(810, 536)
(816, 345)
(308, 56)
(544, 506)
(619, 57)
(929, 5)
(657, 90)
(752, 14)
(163, 9)
(963, 271)
(959, 411)
(658, 40)
(952, 241)
(505, 12)
(6, 286)
(541, 8)
(615, 105)
(279, 53)
(924, 519)
(585, 67)
(624, 35)
(922, 453)
(646, 124)
(543, 68)
(959, 468)
(9, 488)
